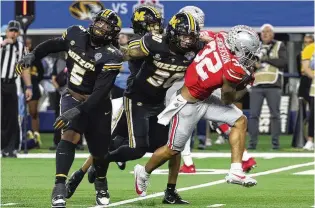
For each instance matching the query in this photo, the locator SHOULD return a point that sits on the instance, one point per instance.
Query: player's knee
(140, 152)
(171, 152)
(241, 123)
(71, 136)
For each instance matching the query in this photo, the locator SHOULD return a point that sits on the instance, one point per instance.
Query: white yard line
(194, 155)
(8, 204)
(205, 185)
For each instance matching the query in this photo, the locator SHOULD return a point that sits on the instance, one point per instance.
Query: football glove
(66, 118)
(247, 80)
(25, 62)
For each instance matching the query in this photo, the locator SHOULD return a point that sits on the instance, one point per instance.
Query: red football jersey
(206, 72)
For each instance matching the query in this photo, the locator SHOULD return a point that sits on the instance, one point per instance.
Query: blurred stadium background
(24, 180)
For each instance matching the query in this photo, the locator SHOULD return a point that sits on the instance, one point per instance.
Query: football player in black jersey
(166, 58)
(93, 64)
(145, 19)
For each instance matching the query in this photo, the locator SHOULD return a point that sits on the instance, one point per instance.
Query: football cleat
(102, 194)
(172, 197)
(121, 165)
(187, 169)
(91, 174)
(239, 178)
(220, 140)
(37, 139)
(248, 165)
(58, 199)
(73, 183)
(141, 180)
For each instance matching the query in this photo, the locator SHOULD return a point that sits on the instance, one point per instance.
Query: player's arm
(228, 92)
(103, 84)
(49, 46)
(141, 48)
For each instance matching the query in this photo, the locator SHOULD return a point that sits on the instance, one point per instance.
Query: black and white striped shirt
(9, 56)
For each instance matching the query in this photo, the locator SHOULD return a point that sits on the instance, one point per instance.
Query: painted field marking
(307, 172)
(277, 170)
(199, 155)
(8, 204)
(216, 205)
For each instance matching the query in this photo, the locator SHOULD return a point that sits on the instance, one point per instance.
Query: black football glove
(247, 79)
(25, 62)
(66, 118)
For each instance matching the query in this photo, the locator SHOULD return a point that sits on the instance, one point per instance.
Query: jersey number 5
(77, 74)
(203, 61)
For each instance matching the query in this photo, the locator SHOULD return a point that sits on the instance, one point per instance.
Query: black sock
(171, 187)
(81, 172)
(101, 167)
(64, 159)
(126, 153)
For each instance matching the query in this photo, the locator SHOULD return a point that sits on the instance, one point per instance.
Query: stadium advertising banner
(265, 120)
(54, 15)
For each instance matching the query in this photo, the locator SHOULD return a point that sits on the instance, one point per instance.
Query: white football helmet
(197, 13)
(244, 42)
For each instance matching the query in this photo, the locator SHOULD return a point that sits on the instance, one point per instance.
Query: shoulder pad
(207, 33)
(111, 53)
(235, 74)
(73, 30)
(151, 42)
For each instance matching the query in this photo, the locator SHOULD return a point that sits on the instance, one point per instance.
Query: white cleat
(220, 140)
(309, 146)
(141, 180)
(239, 178)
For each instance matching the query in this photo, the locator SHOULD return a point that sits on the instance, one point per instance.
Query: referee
(10, 53)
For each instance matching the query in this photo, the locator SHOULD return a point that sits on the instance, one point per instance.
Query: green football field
(284, 180)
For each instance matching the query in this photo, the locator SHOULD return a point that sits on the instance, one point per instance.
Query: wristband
(29, 87)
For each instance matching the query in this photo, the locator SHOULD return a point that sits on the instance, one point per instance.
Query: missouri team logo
(85, 10)
(152, 3)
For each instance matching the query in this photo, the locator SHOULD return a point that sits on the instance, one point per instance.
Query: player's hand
(65, 119)
(28, 94)
(25, 62)
(247, 80)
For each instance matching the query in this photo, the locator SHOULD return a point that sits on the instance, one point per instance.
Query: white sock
(145, 174)
(236, 166)
(246, 156)
(188, 160)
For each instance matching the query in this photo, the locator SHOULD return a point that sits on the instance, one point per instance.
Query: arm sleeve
(280, 62)
(50, 46)
(102, 87)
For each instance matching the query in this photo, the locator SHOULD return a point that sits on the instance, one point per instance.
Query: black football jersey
(85, 62)
(158, 71)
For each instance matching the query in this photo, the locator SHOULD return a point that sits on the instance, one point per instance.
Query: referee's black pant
(10, 132)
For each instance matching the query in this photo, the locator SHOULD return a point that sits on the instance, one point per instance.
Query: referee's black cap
(14, 25)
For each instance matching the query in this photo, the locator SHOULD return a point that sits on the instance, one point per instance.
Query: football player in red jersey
(248, 162)
(224, 62)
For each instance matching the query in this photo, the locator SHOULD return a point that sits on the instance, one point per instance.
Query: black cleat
(91, 174)
(58, 199)
(121, 165)
(172, 197)
(102, 194)
(73, 183)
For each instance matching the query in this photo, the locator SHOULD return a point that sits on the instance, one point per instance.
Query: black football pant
(144, 133)
(10, 130)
